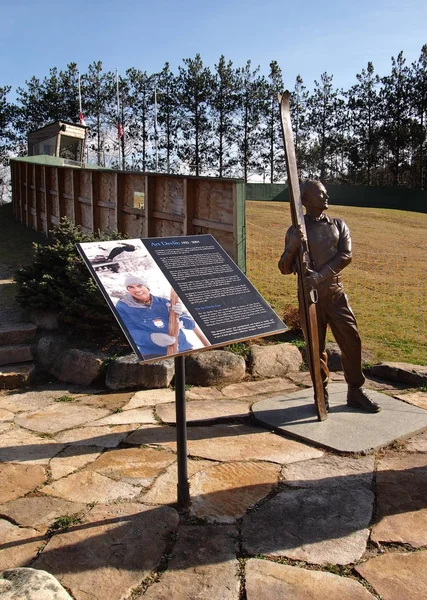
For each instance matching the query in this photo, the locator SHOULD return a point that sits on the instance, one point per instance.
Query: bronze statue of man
(330, 250)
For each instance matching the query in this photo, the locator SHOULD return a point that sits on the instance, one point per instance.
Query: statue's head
(314, 195)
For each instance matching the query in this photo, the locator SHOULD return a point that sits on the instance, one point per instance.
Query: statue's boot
(358, 398)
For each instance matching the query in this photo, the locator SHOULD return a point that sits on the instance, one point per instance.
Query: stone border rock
(54, 356)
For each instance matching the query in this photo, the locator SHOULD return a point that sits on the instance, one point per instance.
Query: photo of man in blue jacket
(146, 318)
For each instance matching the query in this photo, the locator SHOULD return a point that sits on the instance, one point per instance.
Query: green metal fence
(349, 195)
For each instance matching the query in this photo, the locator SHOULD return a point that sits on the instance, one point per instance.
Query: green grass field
(386, 282)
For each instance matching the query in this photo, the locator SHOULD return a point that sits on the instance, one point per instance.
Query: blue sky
(306, 38)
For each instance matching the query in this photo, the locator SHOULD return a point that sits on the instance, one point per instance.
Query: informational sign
(176, 295)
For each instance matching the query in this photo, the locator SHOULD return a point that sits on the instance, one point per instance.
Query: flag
(120, 131)
(82, 119)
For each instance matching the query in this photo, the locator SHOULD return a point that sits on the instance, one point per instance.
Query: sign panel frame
(194, 293)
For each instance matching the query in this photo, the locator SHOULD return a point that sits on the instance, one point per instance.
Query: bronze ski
(307, 297)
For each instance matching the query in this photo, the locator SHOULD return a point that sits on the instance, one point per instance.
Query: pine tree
(325, 113)
(251, 101)
(167, 120)
(362, 106)
(31, 112)
(223, 115)
(98, 96)
(69, 87)
(7, 134)
(195, 84)
(418, 87)
(140, 120)
(273, 152)
(299, 100)
(396, 121)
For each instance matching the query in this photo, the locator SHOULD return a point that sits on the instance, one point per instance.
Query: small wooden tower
(65, 140)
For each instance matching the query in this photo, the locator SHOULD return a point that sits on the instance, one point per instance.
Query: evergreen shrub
(58, 279)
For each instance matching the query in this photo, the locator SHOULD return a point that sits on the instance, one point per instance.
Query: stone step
(17, 333)
(16, 376)
(19, 353)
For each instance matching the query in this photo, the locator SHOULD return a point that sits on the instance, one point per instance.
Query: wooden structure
(65, 140)
(139, 204)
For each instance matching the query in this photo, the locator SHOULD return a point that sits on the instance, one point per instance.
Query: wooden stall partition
(27, 194)
(38, 199)
(66, 193)
(165, 204)
(32, 208)
(85, 201)
(41, 199)
(189, 204)
(131, 201)
(21, 192)
(214, 213)
(77, 217)
(52, 193)
(136, 204)
(105, 200)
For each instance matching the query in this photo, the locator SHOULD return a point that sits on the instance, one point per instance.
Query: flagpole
(118, 110)
(156, 134)
(81, 121)
(80, 98)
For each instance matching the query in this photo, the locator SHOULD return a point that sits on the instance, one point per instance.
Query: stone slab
(127, 417)
(16, 376)
(415, 398)
(39, 512)
(332, 471)
(397, 576)
(203, 565)
(205, 410)
(59, 416)
(235, 442)
(107, 436)
(88, 487)
(150, 398)
(6, 415)
(203, 393)
(252, 388)
(417, 443)
(20, 446)
(266, 580)
(18, 480)
(111, 401)
(137, 466)
(15, 354)
(153, 435)
(71, 459)
(223, 493)
(320, 525)
(401, 490)
(164, 489)
(346, 429)
(19, 545)
(17, 333)
(115, 549)
(33, 400)
(6, 426)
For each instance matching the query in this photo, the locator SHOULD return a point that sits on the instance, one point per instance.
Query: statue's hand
(311, 279)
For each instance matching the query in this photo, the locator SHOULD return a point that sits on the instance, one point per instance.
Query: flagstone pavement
(88, 494)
